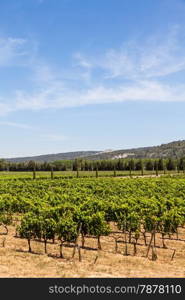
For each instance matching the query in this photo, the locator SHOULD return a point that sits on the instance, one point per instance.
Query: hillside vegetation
(53, 157)
(174, 149)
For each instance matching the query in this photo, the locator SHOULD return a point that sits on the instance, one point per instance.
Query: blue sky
(90, 74)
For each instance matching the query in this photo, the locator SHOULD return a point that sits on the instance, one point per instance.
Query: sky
(90, 75)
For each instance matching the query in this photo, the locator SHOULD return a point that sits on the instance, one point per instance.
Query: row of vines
(70, 211)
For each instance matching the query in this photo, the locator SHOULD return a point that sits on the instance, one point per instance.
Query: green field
(83, 174)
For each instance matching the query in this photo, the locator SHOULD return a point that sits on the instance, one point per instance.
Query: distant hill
(174, 149)
(54, 157)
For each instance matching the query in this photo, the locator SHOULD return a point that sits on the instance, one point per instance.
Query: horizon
(90, 75)
(105, 150)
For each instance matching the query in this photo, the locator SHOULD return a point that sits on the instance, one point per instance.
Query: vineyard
(85, 220)
(82, 174)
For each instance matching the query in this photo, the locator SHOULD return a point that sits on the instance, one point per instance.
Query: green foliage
(30, 226)
(65, 208)
(6, 219)
(96, 224)
(67, 229)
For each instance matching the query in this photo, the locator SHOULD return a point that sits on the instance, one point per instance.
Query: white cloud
(140, 91)
(13, 51)
(152, 58)
(131, 73)
(43, 74)
(82, 61)
(5, 108)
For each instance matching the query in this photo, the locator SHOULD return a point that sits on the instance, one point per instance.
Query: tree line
(160, 164)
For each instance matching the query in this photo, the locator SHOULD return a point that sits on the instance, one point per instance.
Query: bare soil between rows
(15, 261)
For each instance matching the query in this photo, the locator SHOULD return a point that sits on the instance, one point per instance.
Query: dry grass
(15, 261)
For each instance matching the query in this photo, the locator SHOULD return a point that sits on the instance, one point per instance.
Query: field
(91, 227)
(82, 174)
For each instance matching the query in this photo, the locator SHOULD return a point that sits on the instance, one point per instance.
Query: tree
(149, 165)
(181, 164)
(156, 167)
(52, 174)
(131, 165)
(170, 165)
(75, 165)
(96, 170)
(139, 165)
(161, 165)
(3, 165)
(31, 165)
(120, 164)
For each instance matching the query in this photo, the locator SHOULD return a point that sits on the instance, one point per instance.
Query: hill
(174, 149)
(54, 157)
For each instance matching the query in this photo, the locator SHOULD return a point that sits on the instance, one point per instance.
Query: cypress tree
(96, 172)
(156, 168)
(142, 168)
(52, 174)
(114, 171)
(34, 172)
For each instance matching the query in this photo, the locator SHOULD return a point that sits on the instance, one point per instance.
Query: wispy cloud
(152, 58)
(5, 107)
(140, 91)
(138, 71)
(9, 50)
(82, 61)
(43, 73)
(16, 51)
